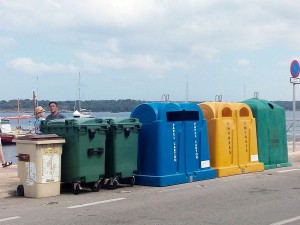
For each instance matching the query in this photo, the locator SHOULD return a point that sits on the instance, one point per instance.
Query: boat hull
(7, 139)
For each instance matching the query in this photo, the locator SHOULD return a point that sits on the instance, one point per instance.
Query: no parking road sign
(295, 69)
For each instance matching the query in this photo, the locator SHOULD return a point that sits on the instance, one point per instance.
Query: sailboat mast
(37, 92)
(35, 96)
(187, 87)
(34, 102)
(19, 125)
(79, 93)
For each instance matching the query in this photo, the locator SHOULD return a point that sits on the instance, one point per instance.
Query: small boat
(82, 113)
(6, 138)
(6, 133)
(5, 129)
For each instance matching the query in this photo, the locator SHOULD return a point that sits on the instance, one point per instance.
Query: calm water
(289, 124)
(10, 150)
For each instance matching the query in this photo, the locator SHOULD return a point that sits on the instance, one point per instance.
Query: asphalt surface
(10, 181)
(268, 197)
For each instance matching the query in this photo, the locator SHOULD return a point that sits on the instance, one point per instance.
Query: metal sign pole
(295, 70)
(294, 109)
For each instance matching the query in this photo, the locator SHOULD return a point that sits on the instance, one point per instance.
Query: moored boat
(5, 129)
(7, 134)
(7, 138)
(83, 113)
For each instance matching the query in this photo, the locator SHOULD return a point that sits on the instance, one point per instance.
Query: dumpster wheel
(97, 186)
(76, 188)
(20, 190)
(112, 183)
(132, 181)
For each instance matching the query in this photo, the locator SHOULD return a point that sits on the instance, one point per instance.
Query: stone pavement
(8, 181)
(294, 156)
(9, 175)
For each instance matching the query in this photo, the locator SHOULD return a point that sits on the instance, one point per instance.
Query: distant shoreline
(46, 112)
(114, 106)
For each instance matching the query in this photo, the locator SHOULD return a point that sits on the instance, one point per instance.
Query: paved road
(269, 197)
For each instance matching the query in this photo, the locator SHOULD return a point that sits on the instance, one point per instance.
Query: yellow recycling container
(227, 138)
(222, 136)
(39, 165)
(247, 139)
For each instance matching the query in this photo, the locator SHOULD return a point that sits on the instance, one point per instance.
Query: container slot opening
(244, 112)
(182, 116)
(271, 106)
(226, 112)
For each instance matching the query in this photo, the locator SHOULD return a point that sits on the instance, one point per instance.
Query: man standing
(54, 112)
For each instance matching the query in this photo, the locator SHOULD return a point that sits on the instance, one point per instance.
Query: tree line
(125, 105)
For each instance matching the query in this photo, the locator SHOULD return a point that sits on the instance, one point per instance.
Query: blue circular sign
(295, 68)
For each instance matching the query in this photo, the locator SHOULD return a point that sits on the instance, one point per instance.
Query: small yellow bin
(231, 128)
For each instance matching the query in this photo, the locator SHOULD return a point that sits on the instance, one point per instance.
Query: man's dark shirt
(57, 116)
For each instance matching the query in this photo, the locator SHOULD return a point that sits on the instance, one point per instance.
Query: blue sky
(138, 49)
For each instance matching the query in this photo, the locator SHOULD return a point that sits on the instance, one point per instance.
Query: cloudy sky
(142, 49)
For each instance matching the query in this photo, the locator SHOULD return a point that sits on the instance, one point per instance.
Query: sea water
(10, 151)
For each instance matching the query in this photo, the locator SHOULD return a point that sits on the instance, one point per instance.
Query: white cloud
(144, 62)
(34, 14)
(184, 24)
(243, 62)
(113, 44)
(6, 42)
(28, 66)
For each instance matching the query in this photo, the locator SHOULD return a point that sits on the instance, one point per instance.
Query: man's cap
(38, 110)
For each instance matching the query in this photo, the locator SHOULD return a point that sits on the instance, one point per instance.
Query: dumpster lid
(213, 110)
(38, 136)
(75, 122)
(120, 120)
(149, 112)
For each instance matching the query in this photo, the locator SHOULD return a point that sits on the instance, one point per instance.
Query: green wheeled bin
(121, 151)
(271, 133)
(83, 158)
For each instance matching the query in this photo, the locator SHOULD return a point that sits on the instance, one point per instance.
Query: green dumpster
(271, 133)
(121, 151)
(83, 158)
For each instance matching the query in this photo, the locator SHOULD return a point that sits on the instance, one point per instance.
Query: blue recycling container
(173, 144)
